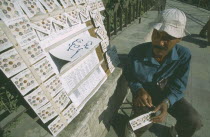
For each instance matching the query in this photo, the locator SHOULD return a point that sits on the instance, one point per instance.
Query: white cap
(173, 21)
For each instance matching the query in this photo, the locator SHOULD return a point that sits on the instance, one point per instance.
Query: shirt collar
(173, 55)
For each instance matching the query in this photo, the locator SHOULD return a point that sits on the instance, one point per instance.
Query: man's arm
(133, 83)
(141, 97)
(178, 83)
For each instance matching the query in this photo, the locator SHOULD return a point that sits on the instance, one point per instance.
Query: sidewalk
(198, 90)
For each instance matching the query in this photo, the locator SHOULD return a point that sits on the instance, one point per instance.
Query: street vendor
(157, 73)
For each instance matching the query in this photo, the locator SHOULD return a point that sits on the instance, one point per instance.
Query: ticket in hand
(141, 120)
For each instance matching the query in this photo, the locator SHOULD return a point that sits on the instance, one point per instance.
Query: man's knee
(188, 125)
(195, 121)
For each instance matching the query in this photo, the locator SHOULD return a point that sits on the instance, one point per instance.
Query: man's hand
(142, 99)
(163, 109)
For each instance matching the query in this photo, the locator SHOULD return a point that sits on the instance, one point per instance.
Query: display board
(56, 53)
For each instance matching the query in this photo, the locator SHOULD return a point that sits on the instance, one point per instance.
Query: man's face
(163, 43)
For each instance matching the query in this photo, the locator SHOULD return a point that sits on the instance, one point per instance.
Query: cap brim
(171, 30)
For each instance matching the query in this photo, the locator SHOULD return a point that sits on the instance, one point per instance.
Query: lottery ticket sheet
(141, 120)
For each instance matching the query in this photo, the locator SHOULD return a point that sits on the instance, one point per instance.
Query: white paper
(51, 5)
(84, 14)
(112, 58)
(46, 112)
(104, 45)
(33, 51)
(73, 17)
(101, 32)
(56, 126)
(68, 81)
(75, 48)
(60, 20)
(4, 42)
(61, 35)
(36, 99)
(43, 26)
(58, 27)
(44, 69)
(52, 63)
(41, 35)
(140, 121)
(72, 77)
(97, 19)
(93, 6)
(92, 93)
(78, 2)
(31, 7)
(24, 81)
(22, 31)
(10, 10)
(67, 3)
(90, 1)
(85, 89)
(53, 85)
(61, 100)
(11, 63)
(70, 113)
(100, 5)
(111, 67)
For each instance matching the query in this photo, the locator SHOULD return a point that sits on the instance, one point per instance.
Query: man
(157, 74)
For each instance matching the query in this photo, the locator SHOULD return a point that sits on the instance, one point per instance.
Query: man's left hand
(161, 117)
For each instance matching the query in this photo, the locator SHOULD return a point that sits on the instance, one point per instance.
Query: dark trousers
(188, 119)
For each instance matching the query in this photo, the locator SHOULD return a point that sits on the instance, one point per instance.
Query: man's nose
(162, 43)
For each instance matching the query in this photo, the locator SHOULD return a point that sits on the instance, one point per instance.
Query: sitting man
(157, 74)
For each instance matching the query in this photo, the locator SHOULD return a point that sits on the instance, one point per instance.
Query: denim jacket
(143, 70)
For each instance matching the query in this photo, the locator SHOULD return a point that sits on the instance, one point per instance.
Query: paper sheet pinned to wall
(75, 48)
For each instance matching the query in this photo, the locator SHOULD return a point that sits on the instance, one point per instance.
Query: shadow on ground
(196, 39)
(115, 101)
(119, 123)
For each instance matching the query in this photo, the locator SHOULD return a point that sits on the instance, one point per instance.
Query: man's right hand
(142, 99)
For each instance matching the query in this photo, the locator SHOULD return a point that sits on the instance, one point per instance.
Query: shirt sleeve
(177, 84)
(133, 83)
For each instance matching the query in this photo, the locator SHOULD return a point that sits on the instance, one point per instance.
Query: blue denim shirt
(143, 70)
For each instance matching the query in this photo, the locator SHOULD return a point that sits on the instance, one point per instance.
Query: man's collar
(173, 55)
(149, 56)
